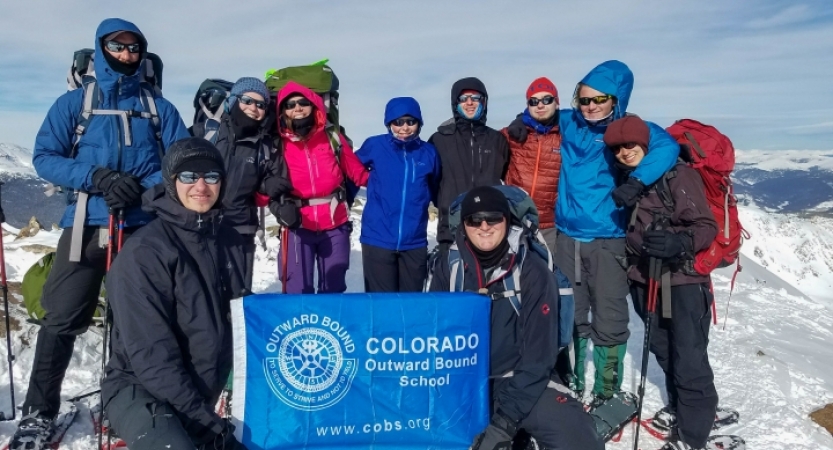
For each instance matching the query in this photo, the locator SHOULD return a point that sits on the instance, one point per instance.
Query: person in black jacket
(489, 249)
(245, 141)
(169, 289)
(471, 154)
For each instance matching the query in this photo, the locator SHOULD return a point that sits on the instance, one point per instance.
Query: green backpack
(318, 77)
(32, 285)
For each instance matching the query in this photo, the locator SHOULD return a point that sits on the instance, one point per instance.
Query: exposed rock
(30, 229)
(37, 248)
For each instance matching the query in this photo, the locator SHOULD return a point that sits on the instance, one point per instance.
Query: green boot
(609, 362)
(580, 349)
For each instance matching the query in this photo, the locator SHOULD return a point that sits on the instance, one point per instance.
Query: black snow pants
(394, 271)
(70, 296)
(680, 346)
(557, 421)
(145, 423)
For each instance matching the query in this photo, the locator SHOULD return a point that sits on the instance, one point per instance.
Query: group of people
(189, 216)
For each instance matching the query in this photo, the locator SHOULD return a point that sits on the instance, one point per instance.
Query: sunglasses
(477, 98)
(401, 122)
(548, 100)
(490, 217)
(118, 47)
(246, 100)
(187, 177)
(302, 102)
(599, 99)
(626, 146)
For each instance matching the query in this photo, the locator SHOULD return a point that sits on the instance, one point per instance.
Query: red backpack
(711, 153)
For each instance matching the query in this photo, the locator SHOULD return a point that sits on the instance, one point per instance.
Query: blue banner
(361, 371)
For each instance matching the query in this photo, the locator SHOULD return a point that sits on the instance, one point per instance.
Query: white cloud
(705, 59)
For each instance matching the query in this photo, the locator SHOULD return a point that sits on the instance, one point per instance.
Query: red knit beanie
(627, 129)
(542, 84)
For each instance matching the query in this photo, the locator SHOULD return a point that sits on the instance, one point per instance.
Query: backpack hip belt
(339, 196)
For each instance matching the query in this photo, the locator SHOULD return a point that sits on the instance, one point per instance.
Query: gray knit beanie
(248, 84)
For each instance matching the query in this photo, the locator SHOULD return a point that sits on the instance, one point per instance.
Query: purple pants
(329, 249)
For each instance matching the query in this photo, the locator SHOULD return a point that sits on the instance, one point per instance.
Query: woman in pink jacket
(315, 211)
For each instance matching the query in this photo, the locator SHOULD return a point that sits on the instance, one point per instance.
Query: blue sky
(761, 71)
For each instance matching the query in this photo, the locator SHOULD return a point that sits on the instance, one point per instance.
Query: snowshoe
(36, 432)
(665, 420)
(717, 442)
(612, 414)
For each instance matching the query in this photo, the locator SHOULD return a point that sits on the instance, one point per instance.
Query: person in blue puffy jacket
(404, 173)
(591, 213)
(107, 170)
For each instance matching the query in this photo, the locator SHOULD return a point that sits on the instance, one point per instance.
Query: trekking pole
(111, 225)
(5, 287)
(284, 257)
(654, 269)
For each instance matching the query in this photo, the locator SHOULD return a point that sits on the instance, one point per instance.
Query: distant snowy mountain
(789, 181)
(797, 249)
(22, 190)
(16, 160)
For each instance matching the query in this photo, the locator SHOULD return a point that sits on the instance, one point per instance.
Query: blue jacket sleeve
(52, 156)
(662, 155)
(365, 153)
(435, 177)
(173, 129)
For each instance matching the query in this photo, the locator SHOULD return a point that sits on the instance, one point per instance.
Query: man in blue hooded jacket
(404, 177)
(107, 169)
(591, 216)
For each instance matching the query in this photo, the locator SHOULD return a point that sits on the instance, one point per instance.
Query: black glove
(498, 435)
(666, 244)
(224, 440)
(628, 194)
(517, 130)
(286, 213)
(274, 186)
(120, 189)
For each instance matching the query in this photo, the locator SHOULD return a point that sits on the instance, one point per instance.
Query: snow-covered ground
(773, 362)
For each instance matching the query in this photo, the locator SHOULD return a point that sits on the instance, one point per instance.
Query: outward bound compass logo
(309, 371)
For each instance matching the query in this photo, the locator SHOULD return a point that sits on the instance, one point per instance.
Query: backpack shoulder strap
(455, 263)
(664, 189)
(149, 103)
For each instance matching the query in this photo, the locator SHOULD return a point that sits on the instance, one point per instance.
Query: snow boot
(664, 422)
(609, 362)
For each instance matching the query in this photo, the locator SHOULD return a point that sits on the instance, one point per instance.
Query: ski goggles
(476, 98)
(118, 47)
(302, 102)
(188, 177)
(402, 121)
(246, 100)
(599, 99)
(491, 218)
(548, 100)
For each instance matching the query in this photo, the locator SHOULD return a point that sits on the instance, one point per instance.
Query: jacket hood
(293, 88)
(104, 75)
(157, 202)
(613, 78)
(402, 106)
(470, 83)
